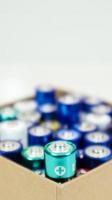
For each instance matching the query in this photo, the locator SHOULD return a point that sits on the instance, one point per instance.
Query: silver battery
(97, 151)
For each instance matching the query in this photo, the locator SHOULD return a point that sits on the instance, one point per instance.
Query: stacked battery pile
(57, 134)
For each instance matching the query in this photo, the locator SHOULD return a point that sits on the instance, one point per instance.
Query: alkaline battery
(11, 150)
(25, 106)
(96, 155)
(102, 110)
(91, 102)
(68, 109)
(97, 138)
(45, 94)
(60, 161)
(102, 122)
(7, 113)
(80, 158)
(30, 118)
(33, 157)
(69, 135)
(14, 130)
(48, 111)
(39, 135)
(83, 128)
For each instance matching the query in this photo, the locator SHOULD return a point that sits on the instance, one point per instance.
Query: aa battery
(33, 157)
(48, 111)
(45, 94)
(7, 113)
(69, 135)
(11, 150)
(83, 128)
(39, 135)
(96, 155)
(14, 130)
(97, 138)
(68, 109)
(60, 160)
(102, 110)
(90, 102)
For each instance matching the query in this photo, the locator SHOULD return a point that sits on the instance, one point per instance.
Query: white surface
(66, 43)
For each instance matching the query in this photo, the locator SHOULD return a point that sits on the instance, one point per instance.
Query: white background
(66, 43)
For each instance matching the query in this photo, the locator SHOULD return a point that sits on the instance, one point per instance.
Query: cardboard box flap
(95, 185)
(18, 183)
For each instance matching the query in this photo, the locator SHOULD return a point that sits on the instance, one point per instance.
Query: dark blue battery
(85, 128)
(69, 135)
(48, 111)
(80, 158)
(45, 94)
(97, 138)
(90, 102)
(102, 109)
(96, 155)
(39, 135)
(11, 150)
(68, 109)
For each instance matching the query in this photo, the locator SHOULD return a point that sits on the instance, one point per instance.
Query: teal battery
(7, 113)
(45, 94)
(69, 135)
(98, 138)
(33, 157)
(11, 149)
(48, 111)
(96, 155)
(39, 135)
(68, 110)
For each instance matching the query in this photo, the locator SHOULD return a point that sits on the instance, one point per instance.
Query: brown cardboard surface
(95, 185)
(18, 183)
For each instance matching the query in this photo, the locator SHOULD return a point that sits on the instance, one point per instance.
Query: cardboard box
(18, 183)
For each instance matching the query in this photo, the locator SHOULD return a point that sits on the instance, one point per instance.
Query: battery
(102, 122)
(48, 111)
(39, 135)
(102, 110)
(45, 94)
(40, 172)
(69, 135)
(60, 161)
(90, 102)
(97, 138)
(25, 106)
(30, 118)
(80, 158)
(84, 127)
(81, 172)
(54, 125)
(33, 157)
(14, 130)
(11, 150)
(68, 109)
(7, 113)
(96, 155)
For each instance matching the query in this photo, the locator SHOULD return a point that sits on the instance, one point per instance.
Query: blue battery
(69, 135)
(68, 109)
(11, 150)
(80, 158)
(48, 111)
(102, 109)
(45, 94)
(90, 102)
(96, 155)
(39, 135)
(97, 138)
(85, 128)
